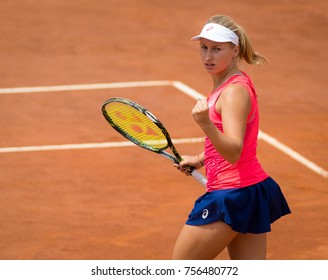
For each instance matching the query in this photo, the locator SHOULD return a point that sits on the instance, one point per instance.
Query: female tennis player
(241, 200)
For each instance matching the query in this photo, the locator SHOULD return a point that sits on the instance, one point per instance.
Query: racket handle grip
(199, 177)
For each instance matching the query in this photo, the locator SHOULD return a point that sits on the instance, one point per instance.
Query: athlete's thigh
(248, 247)
(202, 242)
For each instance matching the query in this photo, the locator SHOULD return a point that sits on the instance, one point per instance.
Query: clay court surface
(124, 202)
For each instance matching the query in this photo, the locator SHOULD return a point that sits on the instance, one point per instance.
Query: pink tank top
(247, 170)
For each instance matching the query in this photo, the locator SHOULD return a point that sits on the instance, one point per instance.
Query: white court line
(84, 87)
(176, 84)
(88, 146)
(187, 90)
(288, 151)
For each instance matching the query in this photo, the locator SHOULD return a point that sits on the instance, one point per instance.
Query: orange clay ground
(124, 202)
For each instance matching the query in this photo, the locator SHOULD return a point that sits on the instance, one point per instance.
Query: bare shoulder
(233, 95)
(234, 91)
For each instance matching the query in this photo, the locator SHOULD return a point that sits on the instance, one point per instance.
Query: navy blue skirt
(247, 210)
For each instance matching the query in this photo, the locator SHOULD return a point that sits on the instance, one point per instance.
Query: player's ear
(235, 51)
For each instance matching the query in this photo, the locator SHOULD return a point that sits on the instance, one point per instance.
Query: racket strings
(136, 125)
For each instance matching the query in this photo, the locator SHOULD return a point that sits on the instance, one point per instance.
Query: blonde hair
(246, 51)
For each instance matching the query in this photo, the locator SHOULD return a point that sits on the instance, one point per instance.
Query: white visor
(217, 33)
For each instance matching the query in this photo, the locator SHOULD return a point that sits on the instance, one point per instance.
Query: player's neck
(220, 78)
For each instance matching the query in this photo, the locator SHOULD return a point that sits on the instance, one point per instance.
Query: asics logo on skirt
(205, 213)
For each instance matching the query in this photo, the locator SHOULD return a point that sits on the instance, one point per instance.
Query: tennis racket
(141, 127)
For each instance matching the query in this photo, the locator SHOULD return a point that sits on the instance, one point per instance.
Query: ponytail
(246, 51)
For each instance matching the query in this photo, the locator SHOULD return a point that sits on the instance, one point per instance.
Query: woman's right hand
(200, 112)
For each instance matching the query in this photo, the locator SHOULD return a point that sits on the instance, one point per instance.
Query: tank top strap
(242, 79)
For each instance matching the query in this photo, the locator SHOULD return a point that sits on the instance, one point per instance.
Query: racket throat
(170, 157)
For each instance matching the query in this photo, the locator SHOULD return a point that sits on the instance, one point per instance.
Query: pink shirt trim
(247, 170)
